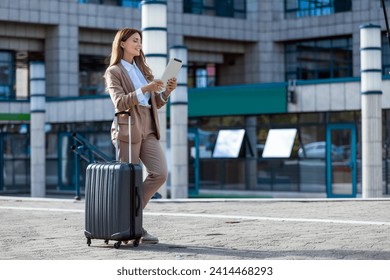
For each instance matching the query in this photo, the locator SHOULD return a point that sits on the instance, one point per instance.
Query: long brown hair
(118, 52)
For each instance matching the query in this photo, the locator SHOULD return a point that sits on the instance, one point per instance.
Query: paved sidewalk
(205, 229)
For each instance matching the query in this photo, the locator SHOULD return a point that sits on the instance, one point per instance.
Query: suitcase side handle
(116, 131)
(138, 202)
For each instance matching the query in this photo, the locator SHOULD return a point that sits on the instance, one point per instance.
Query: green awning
(14, 117)
(237, 100)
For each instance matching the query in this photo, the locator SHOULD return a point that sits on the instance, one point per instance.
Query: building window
(7, 75)
(319, 59)
(222, 8)
(123, 3)
(308, 8)
(385, 56)
(201, 76)
(91, 73)
(14, 73)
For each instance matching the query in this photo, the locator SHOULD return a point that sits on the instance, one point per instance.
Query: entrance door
(341, 160)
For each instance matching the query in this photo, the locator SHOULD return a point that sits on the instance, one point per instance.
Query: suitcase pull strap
(116, 130)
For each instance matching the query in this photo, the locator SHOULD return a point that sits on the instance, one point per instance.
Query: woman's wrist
(144, 89)
(166, 94)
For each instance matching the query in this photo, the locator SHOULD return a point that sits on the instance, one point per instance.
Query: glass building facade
(309, 8)
(319, 59)
(242, 56)
(123, 3)
(221, 8)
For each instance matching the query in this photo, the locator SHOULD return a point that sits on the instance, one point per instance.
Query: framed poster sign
(279, 143)
(228, 143)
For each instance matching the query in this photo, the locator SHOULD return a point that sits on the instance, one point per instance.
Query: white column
(179, 127)
(154, 41)
(37, 129)
(371, 97)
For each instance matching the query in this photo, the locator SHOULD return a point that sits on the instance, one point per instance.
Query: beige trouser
(149, 151)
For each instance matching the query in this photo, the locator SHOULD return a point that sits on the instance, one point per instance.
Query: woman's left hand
(171, 84)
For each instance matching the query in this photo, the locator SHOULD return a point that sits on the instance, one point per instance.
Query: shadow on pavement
(188, 251)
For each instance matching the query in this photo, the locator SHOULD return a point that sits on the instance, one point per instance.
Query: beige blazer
(124, 97)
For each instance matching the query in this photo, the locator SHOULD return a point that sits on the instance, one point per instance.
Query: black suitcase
(113, 200)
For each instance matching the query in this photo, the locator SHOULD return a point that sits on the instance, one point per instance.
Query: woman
(132, 88)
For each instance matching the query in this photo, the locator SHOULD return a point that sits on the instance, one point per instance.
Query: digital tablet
(171, 71)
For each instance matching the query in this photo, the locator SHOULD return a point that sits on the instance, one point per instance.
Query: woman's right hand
(156, 85)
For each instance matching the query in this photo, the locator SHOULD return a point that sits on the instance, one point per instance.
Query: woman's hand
(156, 85)
(171, 85)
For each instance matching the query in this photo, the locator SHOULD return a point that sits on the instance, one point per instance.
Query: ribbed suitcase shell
(113, 206)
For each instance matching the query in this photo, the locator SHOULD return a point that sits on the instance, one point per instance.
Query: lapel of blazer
(129, 86)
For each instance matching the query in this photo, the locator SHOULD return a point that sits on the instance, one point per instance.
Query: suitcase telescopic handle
(117, 137)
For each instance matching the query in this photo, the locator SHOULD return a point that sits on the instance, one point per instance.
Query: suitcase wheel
(117, 244)
(89, 241)
(136, 242)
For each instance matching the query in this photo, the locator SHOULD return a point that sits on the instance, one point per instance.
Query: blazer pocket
(123, 134)
(123, 120)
